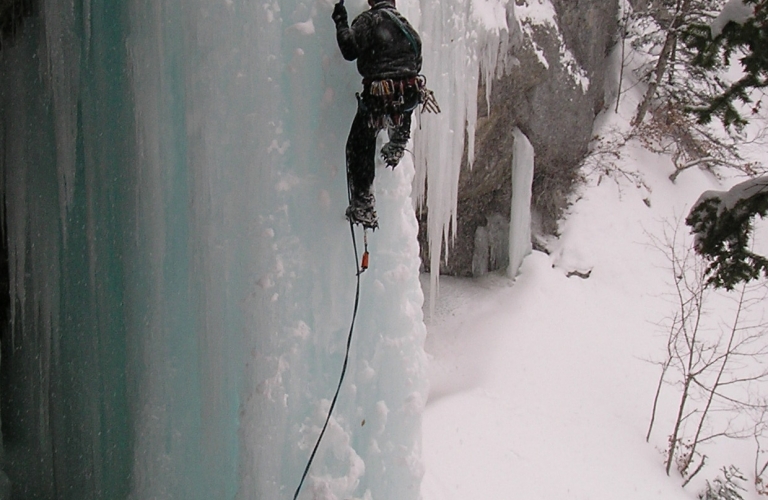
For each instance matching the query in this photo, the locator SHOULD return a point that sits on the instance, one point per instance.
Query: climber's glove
(339, 15)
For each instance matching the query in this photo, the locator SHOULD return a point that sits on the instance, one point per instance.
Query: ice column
(520, 215)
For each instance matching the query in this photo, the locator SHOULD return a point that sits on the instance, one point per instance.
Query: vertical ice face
(62, 58)
(64, 402)
(301, 295)
(520, 215)
(182, 274)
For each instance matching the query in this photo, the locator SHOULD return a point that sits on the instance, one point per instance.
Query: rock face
(552, 96)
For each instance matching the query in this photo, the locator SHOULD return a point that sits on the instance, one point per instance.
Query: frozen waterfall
(181, 273)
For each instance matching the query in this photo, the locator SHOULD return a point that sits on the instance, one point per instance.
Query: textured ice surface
(182, 273)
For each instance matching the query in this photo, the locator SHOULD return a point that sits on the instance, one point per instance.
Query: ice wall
(181, 272)
(501, 244)
(66, 135)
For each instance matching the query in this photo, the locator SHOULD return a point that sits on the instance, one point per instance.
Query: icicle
(461, 40)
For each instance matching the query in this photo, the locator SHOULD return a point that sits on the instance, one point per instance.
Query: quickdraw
(364, 261)
(427, 97)
(381, 122)
(382, 87)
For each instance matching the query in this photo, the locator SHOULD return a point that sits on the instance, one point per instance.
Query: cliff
(552, 91)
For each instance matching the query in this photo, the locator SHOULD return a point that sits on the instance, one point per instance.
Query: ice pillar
(520, 215)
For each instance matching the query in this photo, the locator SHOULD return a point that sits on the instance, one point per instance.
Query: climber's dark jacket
(380, 45)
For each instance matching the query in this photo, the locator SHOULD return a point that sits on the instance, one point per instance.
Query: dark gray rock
(553, 110)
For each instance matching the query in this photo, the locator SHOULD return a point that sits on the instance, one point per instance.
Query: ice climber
(388, 53)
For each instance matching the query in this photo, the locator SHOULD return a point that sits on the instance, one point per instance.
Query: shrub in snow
(713, 361)
(686, 457)
(725, 488)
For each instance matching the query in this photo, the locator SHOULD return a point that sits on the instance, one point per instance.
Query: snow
(744, 190)
(736, 11)
(542, 387)
(546, 386)
(491, 15)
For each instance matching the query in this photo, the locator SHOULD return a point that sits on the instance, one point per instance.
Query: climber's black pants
(375, 113)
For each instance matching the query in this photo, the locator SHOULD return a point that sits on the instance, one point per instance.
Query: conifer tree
(675, 85)
(747, 39)
(659, 29)
(723, 225)
(723, 222)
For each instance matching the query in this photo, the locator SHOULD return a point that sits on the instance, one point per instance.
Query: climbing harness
(385, 102)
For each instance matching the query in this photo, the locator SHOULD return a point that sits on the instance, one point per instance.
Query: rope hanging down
(363, 267)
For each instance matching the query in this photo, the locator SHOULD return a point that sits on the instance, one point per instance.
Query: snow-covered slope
(543, 388)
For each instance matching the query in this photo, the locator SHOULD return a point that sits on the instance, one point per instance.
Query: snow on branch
(736, 11)
(722, 222)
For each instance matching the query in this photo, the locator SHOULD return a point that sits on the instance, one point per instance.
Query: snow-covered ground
(543, 388)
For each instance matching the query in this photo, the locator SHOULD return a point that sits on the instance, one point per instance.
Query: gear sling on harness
(387, 101)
